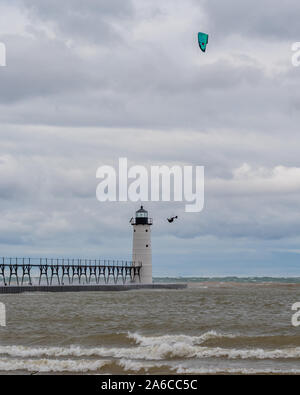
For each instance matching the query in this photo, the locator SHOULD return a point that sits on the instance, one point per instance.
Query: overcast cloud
(89, 82)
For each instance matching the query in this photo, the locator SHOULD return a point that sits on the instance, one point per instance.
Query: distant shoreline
(229, 280)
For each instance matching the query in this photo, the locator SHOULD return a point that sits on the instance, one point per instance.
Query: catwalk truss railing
(20, 271)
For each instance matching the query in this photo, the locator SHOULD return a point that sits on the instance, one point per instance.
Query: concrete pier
(13, 289)
(55, 270)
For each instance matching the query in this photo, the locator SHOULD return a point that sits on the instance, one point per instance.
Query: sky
(89, 82)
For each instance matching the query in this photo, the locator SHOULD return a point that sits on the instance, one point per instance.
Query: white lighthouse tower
(141, 248)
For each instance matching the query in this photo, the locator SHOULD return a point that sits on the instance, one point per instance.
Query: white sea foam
(51, 365)
(156, 352)
(256, 353)
(182, 370)
(146, 353)
(156, 348)
(172, 339)
(83, 366)
(129, 365)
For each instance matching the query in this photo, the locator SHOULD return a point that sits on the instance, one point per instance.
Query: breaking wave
(153, 348)
(50, 365)
(173, 339)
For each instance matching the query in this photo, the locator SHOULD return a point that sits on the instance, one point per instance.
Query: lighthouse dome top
(141, 213)
(141, 217)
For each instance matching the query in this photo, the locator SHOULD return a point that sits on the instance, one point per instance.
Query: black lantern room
(141, 217)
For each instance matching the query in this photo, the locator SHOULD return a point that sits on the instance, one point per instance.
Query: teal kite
(202, 40)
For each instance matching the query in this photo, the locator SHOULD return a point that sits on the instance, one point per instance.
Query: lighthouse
(141, 246)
